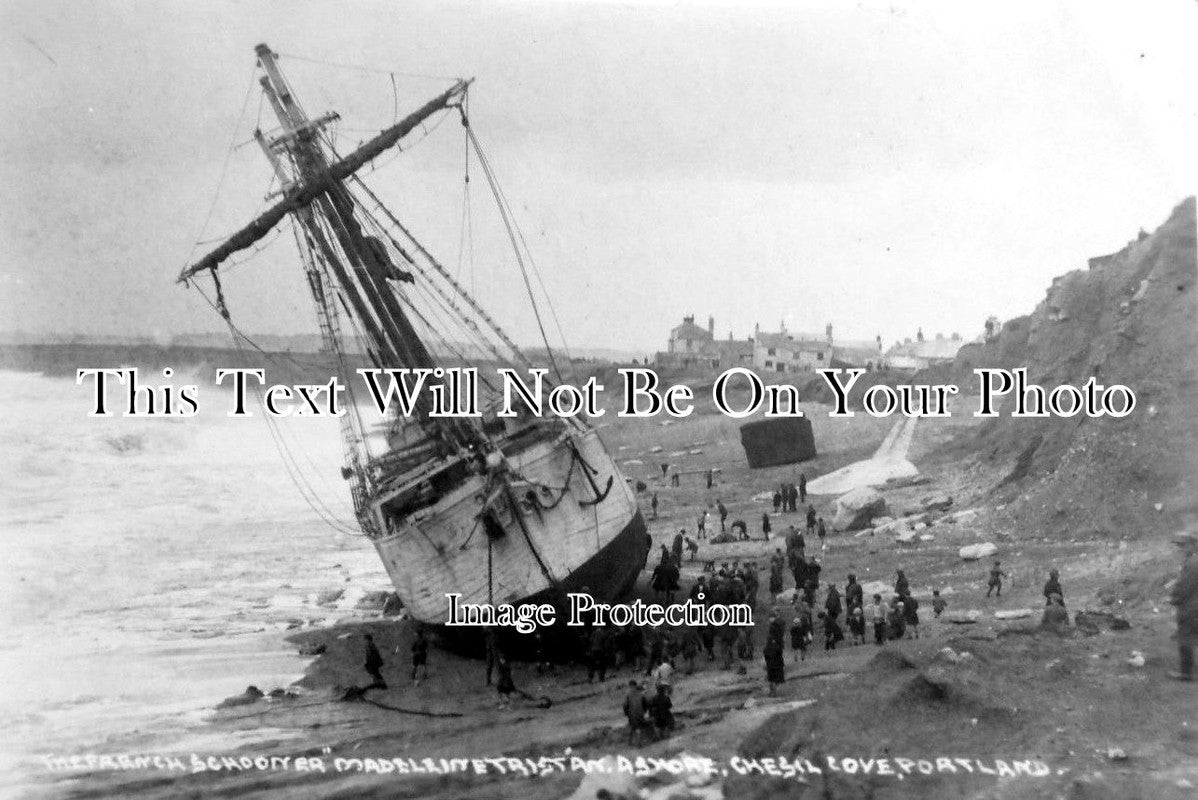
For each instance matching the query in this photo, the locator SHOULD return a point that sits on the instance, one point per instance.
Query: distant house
(791, 352)
(692, 347)
(923, 353)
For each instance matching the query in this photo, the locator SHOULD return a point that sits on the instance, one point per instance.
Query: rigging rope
(224, 167)
(326, 515)
(360, 68)
(507, 222)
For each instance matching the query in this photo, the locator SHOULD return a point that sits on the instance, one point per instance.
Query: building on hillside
(923, 353)
(791, 352)
(692, 347)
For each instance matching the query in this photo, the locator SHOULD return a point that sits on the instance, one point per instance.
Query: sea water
(152, 567)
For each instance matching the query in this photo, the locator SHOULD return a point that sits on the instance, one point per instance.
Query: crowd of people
(812, 611)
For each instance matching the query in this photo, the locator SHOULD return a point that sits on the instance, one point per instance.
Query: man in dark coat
(1185, 597)
(775, 655)
(597, 655)
(902, 587)
(854, 595)
(832, 604)
(802, 487)
(676, 546)
(811, 517)
(1053, 586)
(374, 664)
(634, 711)
(752, 582)
(660, 712)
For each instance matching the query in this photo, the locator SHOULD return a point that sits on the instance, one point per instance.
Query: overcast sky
(877, 166)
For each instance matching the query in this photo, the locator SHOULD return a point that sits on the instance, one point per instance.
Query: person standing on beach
(776, 580)
(996, 576)
(702, 534)
(821, 530)
(1185, 596)
(832, 631)
(898, 620)
(653, 505)
(720, 507)
(752, 584)
(777, 502)
(505, 686)
(811, 520)
(832, 602)
(597, 654)
(419, 657)
(660, 713)
(676, 546)
(374, 664)
(911, 614)
(802, 487)
(663, 675)
(854, 595)
(800, 635)
(765, 525)
(938, 603)
(710, 478)
(634, 712)
(1053, 586)
(875, 614)
(902, 586)
(775, 656)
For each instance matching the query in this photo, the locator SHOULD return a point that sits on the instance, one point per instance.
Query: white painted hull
(444, 548)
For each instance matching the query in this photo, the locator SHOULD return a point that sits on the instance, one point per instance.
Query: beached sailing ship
(498, 510)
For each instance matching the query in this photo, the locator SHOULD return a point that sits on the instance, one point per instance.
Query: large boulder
(938, 502)
(327, 597)
(870, 588)
(855, 509)
(1014, 613)
(973, 552)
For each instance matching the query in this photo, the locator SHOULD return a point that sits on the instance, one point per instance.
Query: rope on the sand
(413, 711)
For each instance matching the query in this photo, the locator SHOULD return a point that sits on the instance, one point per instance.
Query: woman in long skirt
(775, 664)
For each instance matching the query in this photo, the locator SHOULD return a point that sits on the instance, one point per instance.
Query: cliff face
(1130, 318)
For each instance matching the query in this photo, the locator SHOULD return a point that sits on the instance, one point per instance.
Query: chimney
(879, 341)
(756, 330)
(711, 326)
(828, 331)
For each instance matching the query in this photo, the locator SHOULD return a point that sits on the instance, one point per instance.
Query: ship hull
(564, 518)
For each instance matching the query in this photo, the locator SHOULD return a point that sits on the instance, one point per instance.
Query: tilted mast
(315, 194)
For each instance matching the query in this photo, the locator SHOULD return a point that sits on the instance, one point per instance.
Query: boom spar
(306, 192)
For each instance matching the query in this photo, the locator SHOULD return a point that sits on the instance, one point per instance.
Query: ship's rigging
(372, 281)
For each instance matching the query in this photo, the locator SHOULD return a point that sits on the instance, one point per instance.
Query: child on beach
(800, 636)
(857, 625)
(832, 631)
(938, 603)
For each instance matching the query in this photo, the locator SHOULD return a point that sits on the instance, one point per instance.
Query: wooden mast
(359, 263)
(308, 191)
